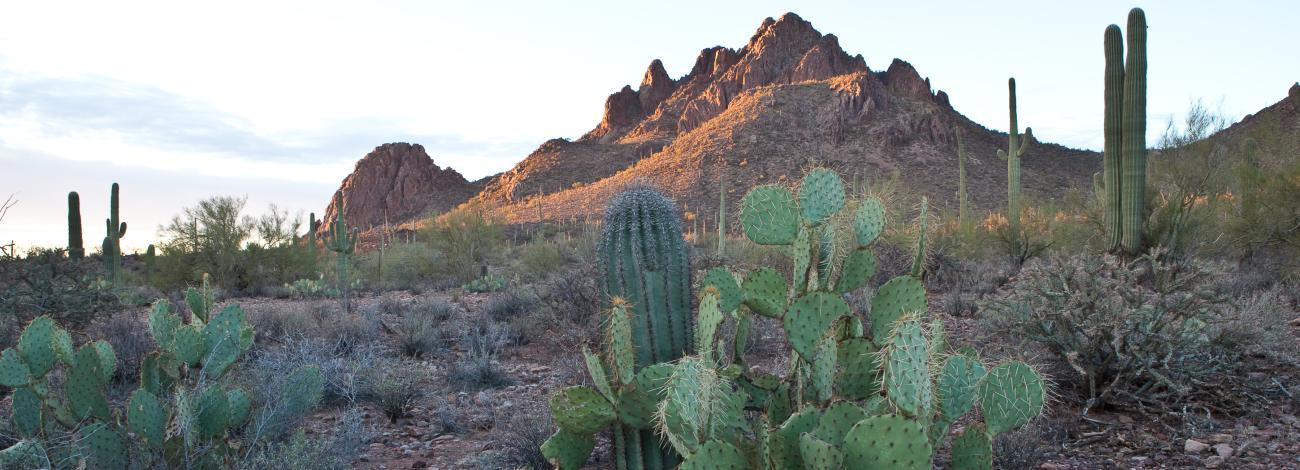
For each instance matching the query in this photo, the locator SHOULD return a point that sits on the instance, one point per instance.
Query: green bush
(539, 258)
(466, 238)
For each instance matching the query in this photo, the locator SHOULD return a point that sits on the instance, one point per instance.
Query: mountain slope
(790, 98)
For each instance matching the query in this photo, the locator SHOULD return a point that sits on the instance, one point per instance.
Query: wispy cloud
(104, 119)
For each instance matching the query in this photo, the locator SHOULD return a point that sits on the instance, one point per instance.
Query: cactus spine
(645, 263)
(343, 243)
(1015, 149)
(113, 242)
(963, 197)
(75, 248)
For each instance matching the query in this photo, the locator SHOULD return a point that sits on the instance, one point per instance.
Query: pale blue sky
(277, 102)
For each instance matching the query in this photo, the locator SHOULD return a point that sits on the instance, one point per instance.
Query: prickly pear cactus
(179, 417)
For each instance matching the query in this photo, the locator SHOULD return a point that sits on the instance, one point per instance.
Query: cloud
(104, 119)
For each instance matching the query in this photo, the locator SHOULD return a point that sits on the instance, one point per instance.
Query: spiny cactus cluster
(75, 248)
(881, 395)
(116, 229)
(1125, 161)
(1016, 147)
(179, 417)
(343, 243)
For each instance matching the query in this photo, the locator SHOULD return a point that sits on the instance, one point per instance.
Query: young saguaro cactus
(113, 242)
(75, 248)
(312, 226)
(343, 243)
(1016, 147)
(963, 197)
(1125, 163)
(644, 263)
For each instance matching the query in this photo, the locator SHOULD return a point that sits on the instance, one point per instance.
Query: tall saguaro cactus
(963, 198)
(75, 248)
(1015, 149)
(645, 265)
(1125, 162)
(722, 215)
(343, 243)
(113, 242)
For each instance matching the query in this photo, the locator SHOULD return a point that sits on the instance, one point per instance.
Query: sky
(275, 101)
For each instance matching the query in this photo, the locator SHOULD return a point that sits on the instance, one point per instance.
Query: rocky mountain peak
(656, 86)
(398, 180)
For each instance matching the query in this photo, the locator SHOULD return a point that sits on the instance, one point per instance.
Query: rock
(420, 464)
(903, 79)
(1220, 438)
(1214, 462)
(656, 87)
(1223, 450)
(1294, 91)
(483, 399)
(622, 111)
(1193, 446)
(400, 181)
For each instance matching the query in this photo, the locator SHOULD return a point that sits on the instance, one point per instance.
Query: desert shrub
(391, 304)
(518, 439)
(1138, 331)
(347, 332)
(242, 253)
(404, 266)
(448, 417)
(420, 336)
(47, 282)
(300, 452)
(1258, 324)
(539, 258)
(131, 341)
(278, 321)
(466, 238)
(1028, 446)
(477, 368)
(343, 371)
(510, 304)
(435, 309)
(571, 294)
(393, 389)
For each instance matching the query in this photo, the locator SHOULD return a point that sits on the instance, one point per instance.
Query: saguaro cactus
(113, 242)
(312, 226)
(343, 243)
(722, 215)
(1015, 149)
(1125, 162)
(75, 248)
(645, 264)
(963, 198)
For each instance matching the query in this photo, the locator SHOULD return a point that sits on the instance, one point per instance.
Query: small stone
(1193, 446)
(1214, 462)
(1220, 438)
(1223, 450)
(420, 464)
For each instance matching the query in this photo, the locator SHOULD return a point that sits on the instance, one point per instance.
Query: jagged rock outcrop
(401, 181)
(791, 96)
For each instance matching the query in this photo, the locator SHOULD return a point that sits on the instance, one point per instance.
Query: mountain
(790, 98)
(400, 182)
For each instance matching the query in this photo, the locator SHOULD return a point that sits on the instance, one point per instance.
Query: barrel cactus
(645, 275)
